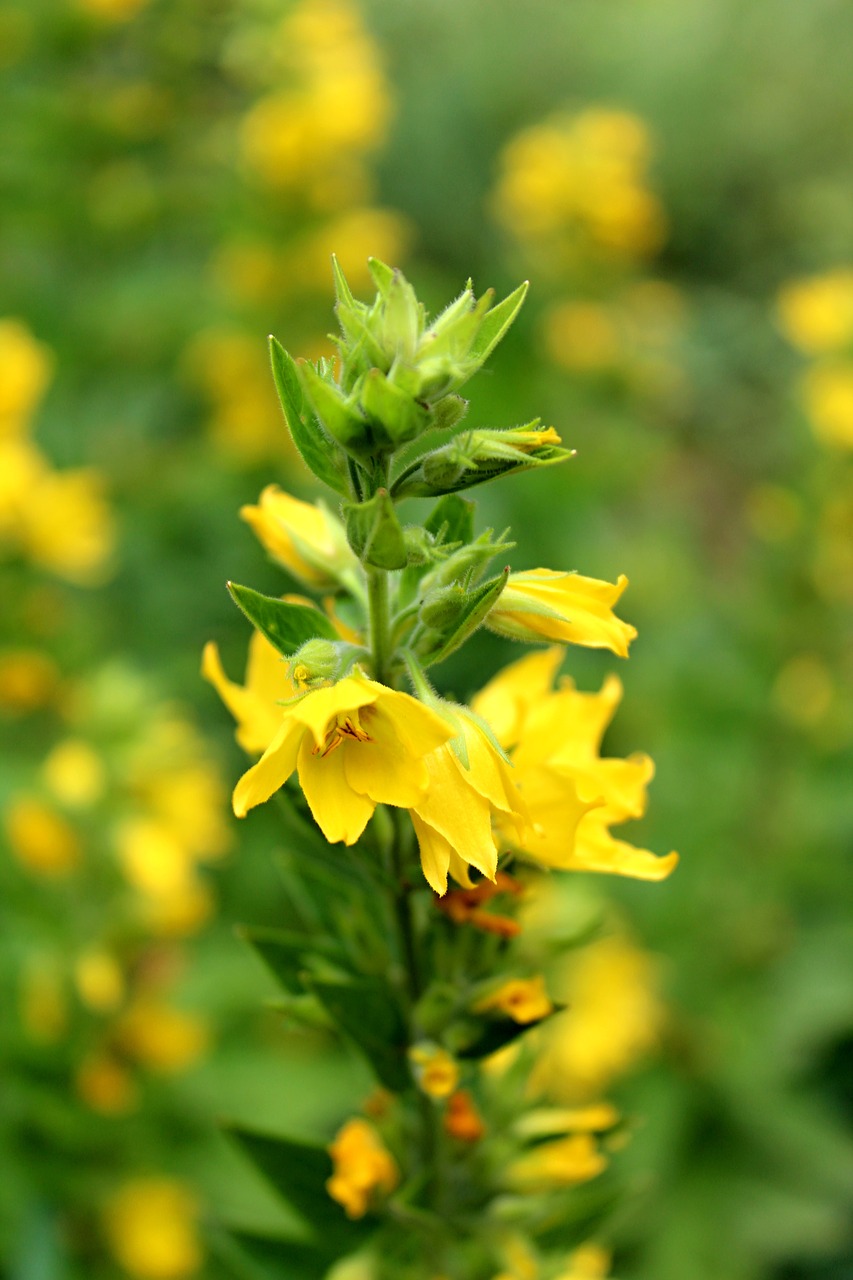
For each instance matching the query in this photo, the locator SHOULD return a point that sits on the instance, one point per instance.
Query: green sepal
(448, 412)
(401, 318)
(314, 446)
(390, 410)
(365, 1010)
(496, 322)
(471, 614)
(337, 414)
(374, 532)
(453, 518)
(298, 1171)
(381, 274)
(287, 626)
(475, 457)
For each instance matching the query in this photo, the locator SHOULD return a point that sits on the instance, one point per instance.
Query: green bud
(443, 607)
(317, 660)
(391, 412)
(337, 413)
(476, 456)
(375, 533)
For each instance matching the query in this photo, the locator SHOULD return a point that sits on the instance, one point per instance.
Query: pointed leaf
(367, 1013)
(317, 451)
(282, 951)
(343, 293)
(496, 322)
(382, 274)
(287, 626)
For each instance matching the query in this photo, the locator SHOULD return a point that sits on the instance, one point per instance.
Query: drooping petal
(457, 812)
(340, 812)
(597, 850)
(436, 855)
(419, 728)
(569, 724)
(271, 771)
(557, 810)
(253, 706)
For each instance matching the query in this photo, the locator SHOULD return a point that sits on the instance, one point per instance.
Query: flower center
(346, 725)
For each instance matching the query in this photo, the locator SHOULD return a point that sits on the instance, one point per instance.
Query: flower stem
(377, 598)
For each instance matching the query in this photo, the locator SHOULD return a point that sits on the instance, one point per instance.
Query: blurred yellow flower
(99, 980)
(304, 537)
(436, 1072)
(106, 1085)
(28, 680)
(40, 838)
(614, 1018)
(160, 1037)
(564, 1162)
(581, 335)
(231, 368)
(25, 370)
(522, 999)
(589, 1262)
(577, 184)
(462, 1120)
(816, 313)
(75, 773)
(543, 604)
(361, 1167)
(42, 999)
(112, 10)
(353, 237)
(153, 858)
(828, 396)
(151, 1225)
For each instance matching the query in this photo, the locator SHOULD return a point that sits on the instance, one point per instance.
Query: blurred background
(675, 180)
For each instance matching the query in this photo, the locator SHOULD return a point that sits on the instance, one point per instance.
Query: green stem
(380, 639)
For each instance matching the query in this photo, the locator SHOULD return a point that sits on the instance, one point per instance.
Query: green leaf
(374, 532)
(382, 275)
(298, 1171)
(253, 1257)
(496, 322)
(315, 448)
(287, 626)
(282, 951)
(343, 293)
(471, 616)
(367, 1013)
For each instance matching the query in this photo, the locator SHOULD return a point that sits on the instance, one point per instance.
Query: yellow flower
(28, 679)
(522, 999)
(151, 1227)
(106, 1085)
(589, 1262)
(160, 1037)
(615, 1018)
(562, 1163)
(355, 744)
(436, 1072)
(469, 783)
(43, 1005)
(304, 537)
(75, 773)
(567, 787)
(25, 368)
(41, 839)
(828, 395)
(816, 313)
(361, 1166)
(255, 704)
(543, 604)
(68, 527)
(99, 981)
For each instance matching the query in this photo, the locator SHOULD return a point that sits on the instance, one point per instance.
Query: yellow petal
(505, 701)
(381, 768)
(563, 606)
(272, 770)
(340, 812)
(457, 812)
(597, 850)
(420, 729)
(258, 719)
(436, 855)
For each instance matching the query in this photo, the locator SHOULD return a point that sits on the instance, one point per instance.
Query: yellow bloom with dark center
(354, 744)
(436, 1072)
(522, 999)
(543, 604)
(470, 783)
(573, 795)
(304, 537)
(361, 1168)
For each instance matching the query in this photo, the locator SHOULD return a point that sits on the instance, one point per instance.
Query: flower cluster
(446, 995)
